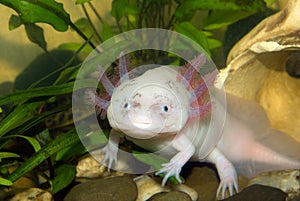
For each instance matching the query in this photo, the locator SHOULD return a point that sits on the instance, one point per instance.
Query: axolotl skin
(154, 111)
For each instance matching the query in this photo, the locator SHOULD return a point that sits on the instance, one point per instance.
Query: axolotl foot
(173, 168)
(170, 169)
(226, 171)
(228, 183)
(110, 151)
(110, 156)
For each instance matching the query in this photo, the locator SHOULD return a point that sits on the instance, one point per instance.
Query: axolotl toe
(154, 111)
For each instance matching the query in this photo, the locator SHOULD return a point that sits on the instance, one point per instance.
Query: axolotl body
(154, 111)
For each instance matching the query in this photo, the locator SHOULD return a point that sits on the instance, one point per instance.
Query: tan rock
(260, 65)
(33, 194)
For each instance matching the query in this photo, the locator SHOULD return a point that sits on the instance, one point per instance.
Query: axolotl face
(150, 105)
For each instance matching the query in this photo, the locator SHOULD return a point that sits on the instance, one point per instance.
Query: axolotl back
(155, 111)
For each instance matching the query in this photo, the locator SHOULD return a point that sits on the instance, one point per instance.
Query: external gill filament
(109, 87)
(192, 69)
(123, 68)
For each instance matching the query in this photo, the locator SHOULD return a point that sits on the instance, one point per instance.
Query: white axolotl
(155, 110)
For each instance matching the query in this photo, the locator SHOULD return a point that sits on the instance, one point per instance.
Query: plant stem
(83, 36)
(96, 13)
(119, 26)
(161, 15)
(91, 23)
(172, 20)
(139, 25)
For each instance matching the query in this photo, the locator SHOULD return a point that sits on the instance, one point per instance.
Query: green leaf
(14, 22)
(213, 43)
(150, 159)
(64, 175)
(46, 11)
(34, 143)
(45, 91)
(18, 117)
(207, 33)
(82, 1)
(24, 113)
(84, 25)
(69, 152)
(67, 75)
(121, 8)
(75, 46)
(93, 140)
(220, 18)
(5, 182)
(270, 2)
(107, 32)
(36, 35)
(189, 30)
(68, 139)
(188, 7)
(8, 155)
(38, 119)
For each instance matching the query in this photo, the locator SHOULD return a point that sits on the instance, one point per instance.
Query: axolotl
(154, 110)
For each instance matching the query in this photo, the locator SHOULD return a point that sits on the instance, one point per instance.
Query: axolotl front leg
(110, 151)
(183, 146)
(185, 151)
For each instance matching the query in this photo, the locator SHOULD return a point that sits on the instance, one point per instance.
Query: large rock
(264, 66)
(259, 193)
(120, 188)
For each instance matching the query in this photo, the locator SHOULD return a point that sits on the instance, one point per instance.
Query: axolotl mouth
(142, 125)
(147, 129)
(146, 133)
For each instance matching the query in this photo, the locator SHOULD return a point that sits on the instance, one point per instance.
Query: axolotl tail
(275, 152)
(250, 143)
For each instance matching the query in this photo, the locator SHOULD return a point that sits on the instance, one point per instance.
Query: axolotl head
(159, 102)
(150, 105)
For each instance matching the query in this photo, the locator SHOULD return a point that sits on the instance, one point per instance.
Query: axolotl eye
(127, 105)
(164, 108)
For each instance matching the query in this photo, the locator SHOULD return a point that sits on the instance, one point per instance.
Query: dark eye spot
(165, 108)
(127, 105)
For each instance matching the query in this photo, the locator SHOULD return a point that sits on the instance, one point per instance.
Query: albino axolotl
(155, 110)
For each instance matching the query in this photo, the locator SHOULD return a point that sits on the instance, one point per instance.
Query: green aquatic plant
(195, 19)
